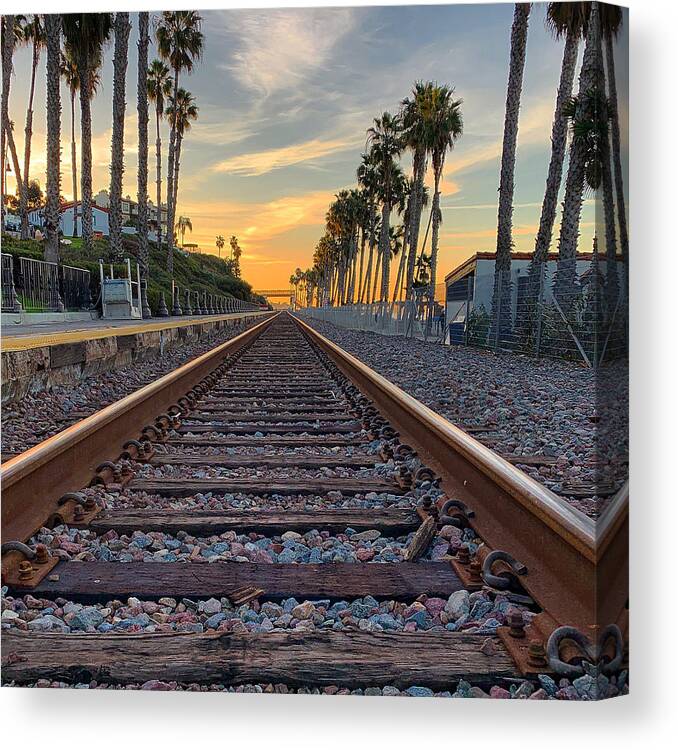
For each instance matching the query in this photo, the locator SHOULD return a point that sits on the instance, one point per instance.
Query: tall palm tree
(184, 112)
(220, 244)
(11, 22)
(33, 33)
(142, 116)
(69, 72)
(564, 20)
(159, 88)
(415, 134)
(85, 35)
(183, 223)
(53, 40)
(180, 42)
(444, 126)
(501, 296)
(122, 29)
(590, 76)
(611, 23)
(386, 141)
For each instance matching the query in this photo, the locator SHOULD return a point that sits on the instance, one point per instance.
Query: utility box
(120, 298)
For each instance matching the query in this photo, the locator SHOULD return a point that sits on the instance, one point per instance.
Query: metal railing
(187, 301)
(10, 301)
(39, 286)
(75, 282)
(388, 318)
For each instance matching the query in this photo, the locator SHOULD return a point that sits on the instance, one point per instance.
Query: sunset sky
(285, 97)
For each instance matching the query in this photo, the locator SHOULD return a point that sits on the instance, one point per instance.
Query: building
(130, 211)
(100, 217)
(67, 220)
(470, 286)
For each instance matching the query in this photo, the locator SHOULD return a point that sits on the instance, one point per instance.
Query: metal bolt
(475, 570)
(41, 554)
(78, 513)
(536, 654)
(25, 570)
(516, 624)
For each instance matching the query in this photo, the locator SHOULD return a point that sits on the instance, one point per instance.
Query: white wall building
(67, 221)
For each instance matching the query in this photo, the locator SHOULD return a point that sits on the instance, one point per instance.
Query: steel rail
(33, 481)
(577, 567)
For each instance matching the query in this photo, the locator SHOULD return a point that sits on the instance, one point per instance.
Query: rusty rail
(577, 568)
(33, 481)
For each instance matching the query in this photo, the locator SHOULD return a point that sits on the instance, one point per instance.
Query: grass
(197, 271)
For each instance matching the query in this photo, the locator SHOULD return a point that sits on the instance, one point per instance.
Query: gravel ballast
(552, 408)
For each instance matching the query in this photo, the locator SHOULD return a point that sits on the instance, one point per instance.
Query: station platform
(22, 337)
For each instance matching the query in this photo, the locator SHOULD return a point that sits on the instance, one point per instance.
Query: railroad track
(282, 436)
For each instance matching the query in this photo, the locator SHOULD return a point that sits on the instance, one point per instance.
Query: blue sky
(285, 97)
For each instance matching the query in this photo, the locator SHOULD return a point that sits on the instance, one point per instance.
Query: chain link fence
(576, 311)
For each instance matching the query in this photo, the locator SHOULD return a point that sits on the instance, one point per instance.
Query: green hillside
(197, 271)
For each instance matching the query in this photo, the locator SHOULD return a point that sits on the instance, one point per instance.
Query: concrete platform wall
(42, 368)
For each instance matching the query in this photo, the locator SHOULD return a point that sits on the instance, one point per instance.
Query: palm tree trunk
(85, 151)
(142, 113)
(7, 135)
(401, 265)
(53, 34)
(27, 141)
(611, 280)
(158, 179)
(616, 153)
(122, 29)
(74, 166)
(377, 268)
(368, 271)
(502, 269)
(175, 191)
(170, 178)
(385, 251)
(589, 77)
(362, 260)
(435, 213)
(415, 217)
(555, 173)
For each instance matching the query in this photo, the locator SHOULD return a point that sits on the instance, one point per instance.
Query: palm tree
(180, 42)
(142, 115)
(385, 139)
(122, 29)
(611, 21)
(69, 72)
(85, 36)
(415, 135)
(8, 42)
(590, 76)
(501, 296)
(236, 254)
(220, 244)
(33, 32)
(564, 20)
(184, 113)
(159, 88)
(53, 40)
(444, 126)
(183, 223)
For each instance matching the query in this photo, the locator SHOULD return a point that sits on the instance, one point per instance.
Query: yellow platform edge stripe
(22, 342)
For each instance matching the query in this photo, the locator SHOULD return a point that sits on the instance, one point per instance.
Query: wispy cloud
(277, 49)
(258, 163)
